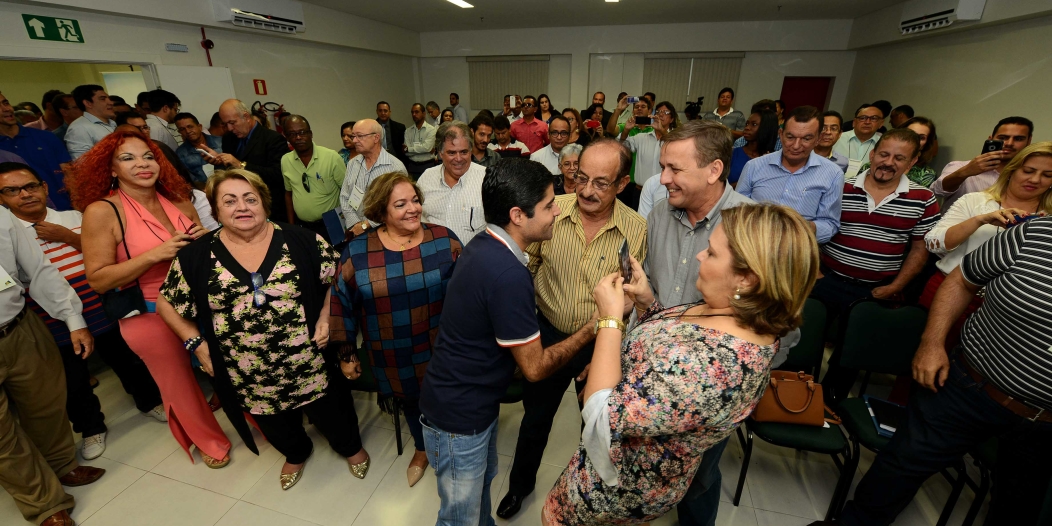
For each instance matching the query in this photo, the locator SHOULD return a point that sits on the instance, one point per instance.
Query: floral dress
(684, 389)
(272, 363)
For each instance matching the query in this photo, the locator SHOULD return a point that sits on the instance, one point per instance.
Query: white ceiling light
(611, 1)
(461, 3)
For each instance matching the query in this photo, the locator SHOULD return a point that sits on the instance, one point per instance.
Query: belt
(1023, 409)
(6, 329)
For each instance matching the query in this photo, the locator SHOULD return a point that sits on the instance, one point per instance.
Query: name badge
(357, 194)
(6, 281)
(852, 169)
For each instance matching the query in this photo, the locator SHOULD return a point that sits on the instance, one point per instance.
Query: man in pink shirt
(964, 177)
(531, 131)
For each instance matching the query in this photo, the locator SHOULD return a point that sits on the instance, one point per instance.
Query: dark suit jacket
(606, 117)
(263, 154)
(396, 140)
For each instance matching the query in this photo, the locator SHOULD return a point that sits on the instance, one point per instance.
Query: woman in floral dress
(687, 376)
(251, 301)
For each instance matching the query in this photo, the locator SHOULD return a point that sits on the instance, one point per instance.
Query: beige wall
(28, 80)
(964, 81)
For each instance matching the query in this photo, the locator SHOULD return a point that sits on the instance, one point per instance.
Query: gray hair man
(252, 147)
(453, 189)
(373, 161)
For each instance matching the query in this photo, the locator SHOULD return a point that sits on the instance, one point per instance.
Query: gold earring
(737, 294)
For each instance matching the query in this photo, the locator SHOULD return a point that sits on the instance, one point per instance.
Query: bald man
(373, 162)
(248, 145)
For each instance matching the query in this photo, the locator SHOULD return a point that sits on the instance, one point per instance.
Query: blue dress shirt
(814, 190)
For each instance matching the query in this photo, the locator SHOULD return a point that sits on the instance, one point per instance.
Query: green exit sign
(50, 28)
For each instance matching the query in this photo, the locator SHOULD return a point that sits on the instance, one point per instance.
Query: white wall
(326, 83)
(762, 74)
(882, 27)
(964, 81)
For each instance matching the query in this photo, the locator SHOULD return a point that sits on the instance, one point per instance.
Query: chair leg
(843, 484)
(746, 444)
(397, 423)
(980, 496)
(955, 493)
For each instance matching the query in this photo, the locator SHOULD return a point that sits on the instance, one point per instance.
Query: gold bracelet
(610, 322)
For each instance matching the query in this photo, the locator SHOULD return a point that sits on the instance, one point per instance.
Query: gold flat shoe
(290, 479)
(214, 463)
(361, 469)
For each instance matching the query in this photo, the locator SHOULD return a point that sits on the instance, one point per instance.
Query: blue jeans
(465, 466)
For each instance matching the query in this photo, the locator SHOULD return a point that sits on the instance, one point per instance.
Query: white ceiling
(440, 15)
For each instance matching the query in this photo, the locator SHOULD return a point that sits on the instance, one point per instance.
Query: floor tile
(770, 518)
(93, 497)
(160, 501)
(730, 469)
(508, 428)
(245, 514)
(139, 441)
(791, 482)
(530, 514)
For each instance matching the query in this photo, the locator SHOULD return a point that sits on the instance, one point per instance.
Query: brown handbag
(793, 398)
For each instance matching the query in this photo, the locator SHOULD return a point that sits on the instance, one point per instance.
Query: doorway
(807, 91)
(28, 80)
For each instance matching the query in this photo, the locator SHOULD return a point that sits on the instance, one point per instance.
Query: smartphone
(205, 153)
(993, 145)
(1020, 219)
(626, 262)
(633, 100)
(592, 124)
(511, 101)
(643, 120)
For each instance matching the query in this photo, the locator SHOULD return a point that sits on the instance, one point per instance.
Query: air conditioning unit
(926, 15)
(282, 16)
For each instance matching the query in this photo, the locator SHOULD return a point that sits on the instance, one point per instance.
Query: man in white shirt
(828, 136)
(372, 162)
(857, 143)
(419, 143)
(559, 135)
(433, 113)
(164, 106)
(459, 113)
(962, 177)
(453, 190)
(94, 124)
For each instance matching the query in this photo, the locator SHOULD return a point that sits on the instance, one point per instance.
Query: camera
(693, 109)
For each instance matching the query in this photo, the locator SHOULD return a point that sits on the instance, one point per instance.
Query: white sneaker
(157, 413)
(93, 446)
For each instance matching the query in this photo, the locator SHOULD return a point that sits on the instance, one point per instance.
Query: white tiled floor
(149, 479)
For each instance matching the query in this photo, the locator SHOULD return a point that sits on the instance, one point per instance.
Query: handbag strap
(832, 418)
(124, 237)
(778, 398)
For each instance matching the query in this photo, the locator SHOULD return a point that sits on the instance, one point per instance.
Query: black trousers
(415, 169)
(318, 227)
(541, 401)
(82, 406)
(837, 294)
(940, 427)
(285, 431)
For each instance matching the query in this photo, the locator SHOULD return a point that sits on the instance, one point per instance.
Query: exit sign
(55, 29)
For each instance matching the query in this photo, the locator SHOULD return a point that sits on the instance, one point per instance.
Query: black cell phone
(993, 145)
(626, 262)
(643, 120)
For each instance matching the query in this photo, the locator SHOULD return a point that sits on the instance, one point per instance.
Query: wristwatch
(244, 166)
(610, 322)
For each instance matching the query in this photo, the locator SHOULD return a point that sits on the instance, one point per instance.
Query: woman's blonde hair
(1000, 188)
(374, 204)
(777, 246)
(238, 173)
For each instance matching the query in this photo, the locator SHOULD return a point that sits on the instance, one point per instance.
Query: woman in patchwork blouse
(391, 287)
(251, 300)
(687, 376)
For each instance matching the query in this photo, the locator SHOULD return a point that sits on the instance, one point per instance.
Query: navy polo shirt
(489, 308)
(45, 153)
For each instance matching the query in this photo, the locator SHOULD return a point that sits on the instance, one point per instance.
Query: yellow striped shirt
(566, 268)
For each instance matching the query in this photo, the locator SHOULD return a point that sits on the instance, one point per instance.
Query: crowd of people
(659, 264)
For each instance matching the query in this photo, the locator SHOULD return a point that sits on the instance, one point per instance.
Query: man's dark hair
(763, 105)
(712, 140)
(559, 117)
(117, 100)
(513, 183)
(348, 124)
(298, 118)
(480, 120)
(485, 112)
(884, 107)
(48, 97)
(455, 95)
(905, 135)
(29, 106)
(599, 93)
(6, 168)
(652, 96)
(62, 101)
(422, 108)
(122, 117)
(160, 98)
(725, 90)
(831, 113)
(781, 103)
(864, 106)
(905, 109)
(1021, 121)
(501, 123)
(524, 97)
(186, 115)
(382, 102)
(142, 99)
(621, 95)
(805, 114)
(624, 155)
(85, 92)
(215, 120)
(431, 105)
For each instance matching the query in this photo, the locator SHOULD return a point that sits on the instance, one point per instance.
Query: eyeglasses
(294, 134)
(145, 128)
(869, 118)
(529, 105)
(306, 182)
(258, 297)
(664, 112)
(559, 133)
(12, 191)
(600, 186)
(360, 136)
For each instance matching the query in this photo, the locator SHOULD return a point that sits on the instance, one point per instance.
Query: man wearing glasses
(565, 269)
(373, 161)
(313, 177)
(559, 135)
(531, 131)
(857, 143)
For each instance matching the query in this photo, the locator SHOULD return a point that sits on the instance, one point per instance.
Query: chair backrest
(807, 355)
(366, 382)
(881, 338)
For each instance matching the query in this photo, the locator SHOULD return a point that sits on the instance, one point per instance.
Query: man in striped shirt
(583, 248)
(880, 246)
(999, 385)
(58, 233)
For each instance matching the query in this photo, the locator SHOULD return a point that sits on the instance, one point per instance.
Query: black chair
(985, 456)
(367, 383)
(807, 355)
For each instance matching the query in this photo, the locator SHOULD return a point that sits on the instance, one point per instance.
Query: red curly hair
(91, 176)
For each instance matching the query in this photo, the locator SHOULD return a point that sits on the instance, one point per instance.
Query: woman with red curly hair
(137, 215)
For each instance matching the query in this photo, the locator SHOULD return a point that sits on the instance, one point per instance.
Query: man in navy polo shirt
(40, 150)
(489, 325)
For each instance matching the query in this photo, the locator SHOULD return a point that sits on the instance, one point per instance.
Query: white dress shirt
(963, 209)
(647, 148)
(420, 141)
(548, 158)
(159, 131)
(854, 149)
(84, 132)
(458, 208)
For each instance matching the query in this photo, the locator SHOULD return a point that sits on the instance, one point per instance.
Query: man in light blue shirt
(857, 143)
(96, 122)
(797, 177)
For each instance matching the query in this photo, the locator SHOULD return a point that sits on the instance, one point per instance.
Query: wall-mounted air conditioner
(282, 16)
(926, 15)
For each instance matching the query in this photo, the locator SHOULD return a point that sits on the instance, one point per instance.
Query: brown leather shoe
(61, 518)
(81, 476)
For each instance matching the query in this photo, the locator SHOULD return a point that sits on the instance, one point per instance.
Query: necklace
(401, 246)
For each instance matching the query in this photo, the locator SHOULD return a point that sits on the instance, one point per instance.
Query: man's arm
(949, 183)
(913, 266)
(538, 362)
(290, 214)
(931, 365)
(77, 141)
(827, 218)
